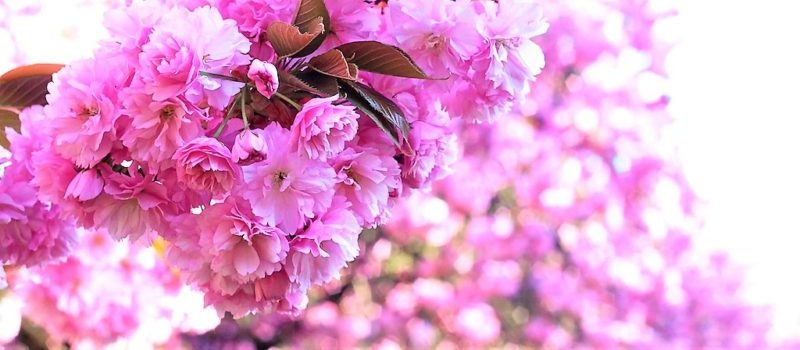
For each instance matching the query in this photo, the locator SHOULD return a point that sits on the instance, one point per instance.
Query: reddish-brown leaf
(288, 40)
(7, 119)
(305, 18)
(290, 83)
(386, 114)
(26, 86)
(380, 58)
(333, 63)
(324, 83)
(22, 87)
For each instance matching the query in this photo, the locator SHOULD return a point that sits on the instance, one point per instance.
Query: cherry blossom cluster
(257, 138)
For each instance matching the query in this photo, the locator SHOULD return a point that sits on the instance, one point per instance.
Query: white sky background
(735, 81)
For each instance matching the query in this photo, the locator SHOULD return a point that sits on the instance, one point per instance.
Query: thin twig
(244, 113)
(288, 100)
(220, 76)
(227, 118)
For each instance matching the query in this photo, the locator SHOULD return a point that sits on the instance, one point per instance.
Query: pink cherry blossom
(230, 251)
(254, 16)
(249, 147)
(286, 190)
(85, 186)
(321, 128)
(83, 106)
(434, 150)
(325, 247)
(265, 75)
(367, 179)
(205, 164)
(182, 46)
(440, 36)
(133, 205)
(158, 128)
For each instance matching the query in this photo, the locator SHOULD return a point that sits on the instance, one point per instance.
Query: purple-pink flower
(85, 186)
(134, 205)
(248, 147)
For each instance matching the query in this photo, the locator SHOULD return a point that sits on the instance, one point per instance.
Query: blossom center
(435, 41)
(280, 176)
(167, 113)
(87, 112)
(510, 43)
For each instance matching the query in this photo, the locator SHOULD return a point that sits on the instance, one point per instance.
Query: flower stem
(227, 117)
(243, 101)
(220, 76)
(288, 100)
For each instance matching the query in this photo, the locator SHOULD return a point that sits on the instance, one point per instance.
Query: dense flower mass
(120, 293)
(257, 139)
(252, 167)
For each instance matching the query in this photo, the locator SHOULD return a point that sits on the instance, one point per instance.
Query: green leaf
(380, 58)
(19, 88)
(305, 18)
(288, 40)
(290, 83)
(386, 114)
(333, 63)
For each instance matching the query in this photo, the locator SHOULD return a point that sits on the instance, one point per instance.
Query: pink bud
(265, 75)
(248, 147)
(85, 186)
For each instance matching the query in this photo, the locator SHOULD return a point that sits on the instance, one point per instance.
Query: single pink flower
(273, 293)
(248, 147)
(265, 75)
(184, 44)
(367, 178)
(158, 128)
(434, 148)
(225, 247)
(134, 206)
(255, 16)
(205, 164)
(442, 37)
(83, 106)
(321, 128)
(325, 247)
